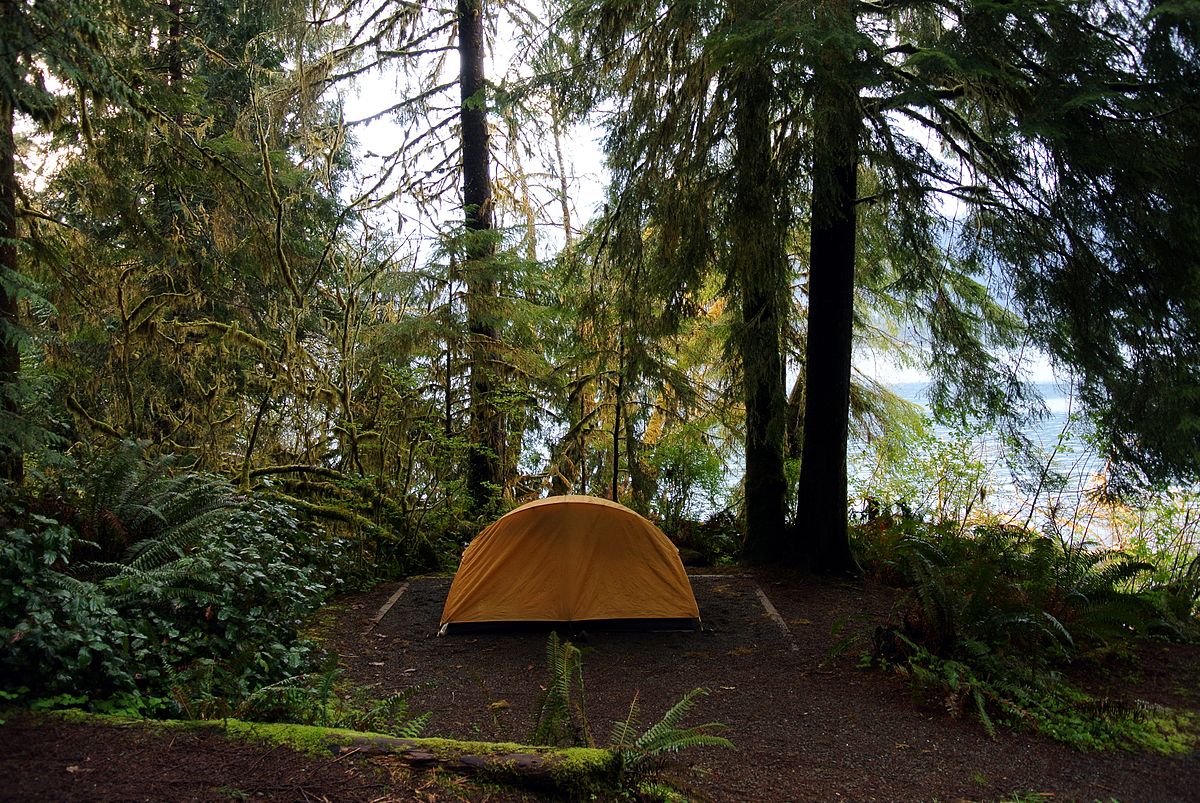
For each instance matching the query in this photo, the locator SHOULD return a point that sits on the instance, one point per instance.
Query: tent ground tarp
(570, 559)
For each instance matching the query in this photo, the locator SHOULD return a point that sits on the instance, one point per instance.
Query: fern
(624, 733)
(559, 720)
(313, 699)
(413, 727)
(133, 501)
(665, 736)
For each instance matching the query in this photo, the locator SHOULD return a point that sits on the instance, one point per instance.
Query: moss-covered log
(568, 773)
(574, 772)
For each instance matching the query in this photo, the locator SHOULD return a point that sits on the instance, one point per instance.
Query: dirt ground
(807, 723)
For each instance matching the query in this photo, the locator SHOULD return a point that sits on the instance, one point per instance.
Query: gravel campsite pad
(807, 723)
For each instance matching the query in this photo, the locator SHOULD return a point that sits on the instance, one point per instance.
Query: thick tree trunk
(821, 514)
(12, 466)
(760, 270)
(487, 430)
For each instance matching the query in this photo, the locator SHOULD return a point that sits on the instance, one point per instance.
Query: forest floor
(807, 723)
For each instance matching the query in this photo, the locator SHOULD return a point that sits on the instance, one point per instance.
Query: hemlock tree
(447, 131)
(821, 514)
(1059, 130)
(76, 44)
(485, 478)
(695, 154)
(759, 273)
(1026, 149)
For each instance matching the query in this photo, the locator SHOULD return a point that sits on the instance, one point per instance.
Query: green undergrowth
(995, 615)
(639, 754)
(1053, 708)
(1081, 720)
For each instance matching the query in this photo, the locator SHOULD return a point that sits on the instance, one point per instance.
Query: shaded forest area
(296, 296)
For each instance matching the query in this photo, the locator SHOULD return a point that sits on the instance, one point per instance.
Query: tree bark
(821, 514)
(618, 401)
(760, 269)
(487, 429)
(12, 467)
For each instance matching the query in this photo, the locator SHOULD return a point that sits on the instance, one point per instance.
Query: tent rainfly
(570, 559)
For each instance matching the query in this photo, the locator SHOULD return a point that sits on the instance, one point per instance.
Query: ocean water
(1053, 432)
(1062, 450)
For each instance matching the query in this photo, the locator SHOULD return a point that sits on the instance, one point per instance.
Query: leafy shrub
(689, 475)
(924, 475)
(155, 585)
(717, 540)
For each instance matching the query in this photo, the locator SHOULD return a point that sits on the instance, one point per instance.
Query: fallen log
(569, 773)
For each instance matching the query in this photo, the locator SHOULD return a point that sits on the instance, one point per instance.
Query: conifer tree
(75, 44)
(487, 442)
(1005, 146)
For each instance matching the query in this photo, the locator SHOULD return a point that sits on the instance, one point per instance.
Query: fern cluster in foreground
(994, 614)
(562, 719)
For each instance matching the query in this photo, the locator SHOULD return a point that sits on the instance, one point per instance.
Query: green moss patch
(571, 772)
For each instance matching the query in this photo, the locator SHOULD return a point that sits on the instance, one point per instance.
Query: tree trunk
(618, 400)
(487, 430)
(12, 467)
(175, 48)
(821, 513)
(760, 271)
(641, 484)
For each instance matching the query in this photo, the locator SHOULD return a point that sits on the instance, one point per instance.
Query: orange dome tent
(570, 559)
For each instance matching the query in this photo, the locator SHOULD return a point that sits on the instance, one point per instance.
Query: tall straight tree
(11, 461)
(696, 168)
(487, 429)
(821, 516)
(759, 275)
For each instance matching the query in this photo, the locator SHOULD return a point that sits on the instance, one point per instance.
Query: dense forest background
(327, 260)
